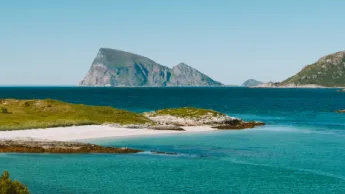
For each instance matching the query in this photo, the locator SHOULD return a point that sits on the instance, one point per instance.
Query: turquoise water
(301, 150)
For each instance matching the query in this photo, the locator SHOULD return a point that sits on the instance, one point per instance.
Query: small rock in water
(167, 127)
(239, 125)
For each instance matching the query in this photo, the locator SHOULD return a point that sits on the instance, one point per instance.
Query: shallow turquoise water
(302, 150)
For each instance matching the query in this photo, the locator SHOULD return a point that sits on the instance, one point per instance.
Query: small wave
(314, 172)
(171, 154)
(278, 128)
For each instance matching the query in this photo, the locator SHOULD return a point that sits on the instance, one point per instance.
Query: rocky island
(189, 116)
(117, 68)
(251, 83)
(52, 126)
(32, 114)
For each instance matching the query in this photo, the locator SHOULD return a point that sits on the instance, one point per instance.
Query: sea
(300, 150)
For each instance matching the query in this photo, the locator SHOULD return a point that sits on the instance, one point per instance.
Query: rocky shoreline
(42, 146)
(279, 85)
(238, 125)
(35, 146)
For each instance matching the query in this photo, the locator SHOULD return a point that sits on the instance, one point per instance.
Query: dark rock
(238, 125)
(24, 146)
(167, 127)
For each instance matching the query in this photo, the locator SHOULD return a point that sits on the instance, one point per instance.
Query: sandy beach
(91, 132)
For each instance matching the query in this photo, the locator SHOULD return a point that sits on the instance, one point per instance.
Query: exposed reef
(239, 124)
(42, 146)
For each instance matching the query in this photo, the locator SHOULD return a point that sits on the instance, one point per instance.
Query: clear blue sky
(46, 42)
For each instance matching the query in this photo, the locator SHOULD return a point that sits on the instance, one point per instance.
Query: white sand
(91, 132)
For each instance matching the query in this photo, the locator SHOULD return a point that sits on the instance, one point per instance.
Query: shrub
(3, 110)
(7, 186)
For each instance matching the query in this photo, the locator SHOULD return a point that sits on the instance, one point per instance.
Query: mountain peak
(114, 53)
(183, 65)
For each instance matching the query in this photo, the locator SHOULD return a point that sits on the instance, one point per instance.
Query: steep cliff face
(118, 68)
(329, 71)
(184, 75)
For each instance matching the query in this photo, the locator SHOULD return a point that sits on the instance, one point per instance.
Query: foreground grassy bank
(8, 186)
(31, 114)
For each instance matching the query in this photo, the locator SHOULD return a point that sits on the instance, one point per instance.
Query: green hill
(29, 114)
(329, 71)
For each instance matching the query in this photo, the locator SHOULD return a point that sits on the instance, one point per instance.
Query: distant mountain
(251, 83)
(329, 71)
(118, 68)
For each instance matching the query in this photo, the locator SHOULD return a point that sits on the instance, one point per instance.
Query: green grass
(30, 114)
(187, 112)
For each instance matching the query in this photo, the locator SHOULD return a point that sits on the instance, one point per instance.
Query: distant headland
(327, 72)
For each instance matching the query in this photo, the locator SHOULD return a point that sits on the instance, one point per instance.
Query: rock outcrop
(198, 117)
(123, 69)
(43, 146)
(329, 71)
(251, 83)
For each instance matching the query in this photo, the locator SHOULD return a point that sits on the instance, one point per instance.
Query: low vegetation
(186, 112)
(8, 186)
(30, 114)
(3, 110)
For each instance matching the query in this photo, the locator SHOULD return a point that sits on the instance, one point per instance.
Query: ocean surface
(301, 150)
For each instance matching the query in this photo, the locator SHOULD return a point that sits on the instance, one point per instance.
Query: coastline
(74, 133)
(278, 85)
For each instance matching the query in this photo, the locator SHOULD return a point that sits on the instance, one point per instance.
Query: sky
(46, 42)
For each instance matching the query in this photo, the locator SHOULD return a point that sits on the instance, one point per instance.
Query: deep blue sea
(301, 150)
